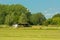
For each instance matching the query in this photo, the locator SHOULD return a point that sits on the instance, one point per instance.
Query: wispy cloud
(51, 11)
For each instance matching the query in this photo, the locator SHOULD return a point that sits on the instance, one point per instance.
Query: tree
(37, 18)
(23, 19)
(10, 14)
(56, 15)
(48, 22)
(3, 13)
(9, 20)
(56, 19)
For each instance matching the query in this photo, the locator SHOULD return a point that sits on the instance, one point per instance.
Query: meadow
(30, 33)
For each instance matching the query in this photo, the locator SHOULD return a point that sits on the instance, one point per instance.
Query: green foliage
(16, 13)
(37, 18)
(9, 19)
(10, 14)
(23, 19)
(56, 21)
(56, 15)
(48, 22)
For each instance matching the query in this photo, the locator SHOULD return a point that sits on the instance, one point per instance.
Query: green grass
(28, 34)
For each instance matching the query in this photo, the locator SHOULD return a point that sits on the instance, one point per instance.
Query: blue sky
(47, 7)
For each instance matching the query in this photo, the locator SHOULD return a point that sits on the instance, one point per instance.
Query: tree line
(18, 14)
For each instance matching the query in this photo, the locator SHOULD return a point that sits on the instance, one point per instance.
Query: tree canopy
(38, 18)
(56, 19)
(10, 14)
(16, 13)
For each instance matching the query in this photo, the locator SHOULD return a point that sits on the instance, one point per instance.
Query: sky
(47, 7)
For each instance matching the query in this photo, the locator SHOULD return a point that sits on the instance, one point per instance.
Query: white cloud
(48, 15)
(45, 11)
(51, 11)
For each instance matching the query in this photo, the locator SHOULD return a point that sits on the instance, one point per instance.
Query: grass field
(28, 34)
